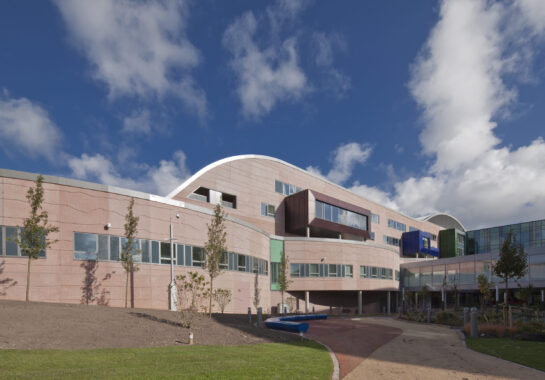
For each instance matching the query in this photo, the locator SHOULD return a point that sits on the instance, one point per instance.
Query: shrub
(532, 330)
(447, 318)
(493, 330)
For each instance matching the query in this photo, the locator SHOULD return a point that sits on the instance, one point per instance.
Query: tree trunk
(210, 295)
(132, 287)
(282, 304)
(28, 278)
(507, 291)
(126, 288)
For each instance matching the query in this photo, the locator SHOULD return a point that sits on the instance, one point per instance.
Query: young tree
(484, 288)
(425, 293)
(33, 237)
(222, 298)
(257, 291)
(512, 262)
(283, 279)
(129, 248)
(214, 249)
(192, 294)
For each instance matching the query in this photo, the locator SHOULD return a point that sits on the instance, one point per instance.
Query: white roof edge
(215, 164)
(428, 217)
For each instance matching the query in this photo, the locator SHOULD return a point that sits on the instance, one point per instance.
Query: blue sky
(423, 106)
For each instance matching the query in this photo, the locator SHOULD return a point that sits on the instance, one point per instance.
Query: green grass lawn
(524, 352)
(306, 359)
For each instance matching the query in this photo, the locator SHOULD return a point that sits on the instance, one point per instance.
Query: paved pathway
(352, 341)
(387, 348)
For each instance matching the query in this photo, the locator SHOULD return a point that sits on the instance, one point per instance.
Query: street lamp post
(172, 287)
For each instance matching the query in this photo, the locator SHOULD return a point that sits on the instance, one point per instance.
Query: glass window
(295, 270)
(275, 270)
(180, 255)
(278, 187)
(375, 218)
(198, 259)
(114, 248)
(1, 245)
(165, 253)
(372, 236)
(11, 246)
(267, 209)
(348, 271)
(241, 263)
(320, 210)
(103, 245)
(374, 272)
(332, 270)
(86, 243)
(314, 270)
(145, 251)
(327, 212)
(224, 260)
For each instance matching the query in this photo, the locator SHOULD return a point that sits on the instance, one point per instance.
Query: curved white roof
(454, 222)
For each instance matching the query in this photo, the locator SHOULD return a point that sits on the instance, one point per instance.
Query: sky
(423, 106)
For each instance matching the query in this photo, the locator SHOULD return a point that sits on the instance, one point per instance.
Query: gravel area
(37, 325)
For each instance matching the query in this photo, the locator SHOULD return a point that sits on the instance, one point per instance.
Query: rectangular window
(179, 255)
(188, 251)
(198, 259)
(165, 253)
(433, 237)
(224, 260)
(295, 270)
(397, 275)
(145, 251)
(285, 188)
(372, 236)
(85, 246)
(319, 210)
(374, 272)
(332, 270)
(232, 261)
(390, 240)
(103, 245)
(114, 248)
(314, 270)
(267, 210)
(397, 225)
(275, 270)
(241, 263)
(348, 271)
(375, 218)
(11, 246)
(341, 216)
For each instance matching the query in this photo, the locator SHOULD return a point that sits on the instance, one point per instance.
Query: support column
(308, 231)
(388, 304)
(360, 302)
(307, 298)
(340, 236)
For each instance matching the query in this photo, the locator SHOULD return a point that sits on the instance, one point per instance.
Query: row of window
(320, 270)
(8, 247)
(340, 215)
(204, 194)
(267, 210)
(377, 272)
(397, 225)
(285, 188)
(391, 240)
(108, 248)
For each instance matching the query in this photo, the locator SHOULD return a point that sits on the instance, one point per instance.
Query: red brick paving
(351, 341)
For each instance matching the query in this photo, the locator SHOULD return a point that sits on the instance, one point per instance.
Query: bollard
(474, 320)
(249, 315)
(190, 337)
(259, 317)
(313, 312)
(466, 315)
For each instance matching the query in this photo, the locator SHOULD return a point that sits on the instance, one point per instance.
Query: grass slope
(528, 353)
(306, 359)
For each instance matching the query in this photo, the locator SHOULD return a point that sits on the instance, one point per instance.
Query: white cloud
(137, 48)
(265, 58)
(27, 128)
(159, 179)
(138, 122)
(374, 194)
(266, 76)
(324, 46)
(345, 157)
(458, 82)
(533, 14)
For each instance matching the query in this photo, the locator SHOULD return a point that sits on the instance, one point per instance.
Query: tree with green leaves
(129, 248)
(222, 298)
(34, 236)
(484, 288)
(215, 248)
(512, 263)
(283, 279)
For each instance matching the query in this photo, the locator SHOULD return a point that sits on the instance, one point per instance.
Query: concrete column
(474, 318)
(307, 297)
(388, 304)
(308, 231)
(340, 236)
(542, 295)
(360, 302)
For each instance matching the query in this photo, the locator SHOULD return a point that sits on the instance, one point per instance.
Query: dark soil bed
(37, 325)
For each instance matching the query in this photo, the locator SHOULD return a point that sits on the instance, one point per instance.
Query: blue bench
(291, 323)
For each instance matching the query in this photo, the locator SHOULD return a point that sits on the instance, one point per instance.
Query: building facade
(342, 249)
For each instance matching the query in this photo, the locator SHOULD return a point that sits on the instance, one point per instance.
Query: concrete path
(351, 341)
(431, 352)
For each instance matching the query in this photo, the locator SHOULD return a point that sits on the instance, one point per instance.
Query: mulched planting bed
(40, 325)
